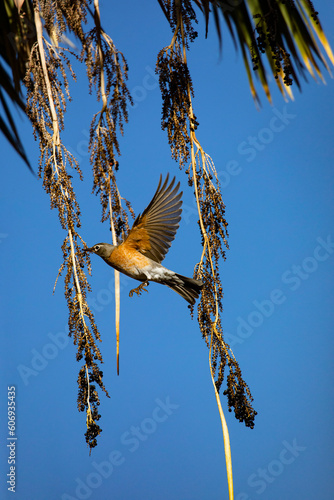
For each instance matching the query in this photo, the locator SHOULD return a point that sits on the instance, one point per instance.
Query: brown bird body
(141, 253)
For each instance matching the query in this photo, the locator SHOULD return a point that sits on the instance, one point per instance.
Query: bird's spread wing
(154, 230)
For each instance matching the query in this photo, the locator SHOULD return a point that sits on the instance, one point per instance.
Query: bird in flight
(141, 253)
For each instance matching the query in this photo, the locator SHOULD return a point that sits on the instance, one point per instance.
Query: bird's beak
(88, 249)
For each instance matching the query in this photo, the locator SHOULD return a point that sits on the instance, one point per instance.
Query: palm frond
(17, 35)
(9, 129)
(286, 34)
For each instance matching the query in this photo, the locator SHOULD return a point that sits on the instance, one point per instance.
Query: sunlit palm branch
(287, 34)
(284, 38)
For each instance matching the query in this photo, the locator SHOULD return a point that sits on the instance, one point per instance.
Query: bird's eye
(96, 248)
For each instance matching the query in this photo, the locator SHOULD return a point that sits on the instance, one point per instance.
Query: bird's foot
(139, 289)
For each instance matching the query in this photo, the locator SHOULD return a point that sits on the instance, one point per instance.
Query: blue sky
(161, 434)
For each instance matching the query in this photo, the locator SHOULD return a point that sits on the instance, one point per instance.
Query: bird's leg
(139, 289)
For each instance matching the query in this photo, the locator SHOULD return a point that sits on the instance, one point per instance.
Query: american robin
(140, 254)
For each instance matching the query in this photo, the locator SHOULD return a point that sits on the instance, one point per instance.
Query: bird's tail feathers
(188, 288)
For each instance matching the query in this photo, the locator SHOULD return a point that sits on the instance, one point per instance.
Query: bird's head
(102, 249)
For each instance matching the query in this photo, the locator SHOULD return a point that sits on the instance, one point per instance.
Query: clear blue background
(278, 203)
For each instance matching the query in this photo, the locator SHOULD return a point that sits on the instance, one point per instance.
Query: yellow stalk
(117, 287)
(56, 141)
(194, 141)
(114, 238)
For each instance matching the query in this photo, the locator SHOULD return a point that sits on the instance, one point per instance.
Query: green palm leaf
(286, 34)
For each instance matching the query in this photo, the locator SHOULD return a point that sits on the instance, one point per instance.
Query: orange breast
(127, 260)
